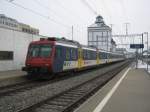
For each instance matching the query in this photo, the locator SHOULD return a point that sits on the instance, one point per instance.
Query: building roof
(8, 18)
(99, 23)
(9, 22)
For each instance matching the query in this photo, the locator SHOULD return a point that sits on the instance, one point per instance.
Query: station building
(99, 35)
(14, 40)
(113, 46)
(13, 24)
(7, 22)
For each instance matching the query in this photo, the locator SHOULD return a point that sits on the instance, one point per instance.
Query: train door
(80, 59)
(108, 57)
(97, 58)
(58, 59)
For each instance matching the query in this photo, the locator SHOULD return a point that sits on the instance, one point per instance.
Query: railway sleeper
(63, 100)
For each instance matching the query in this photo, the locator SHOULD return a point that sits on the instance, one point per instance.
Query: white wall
(99, 39)
(17, 42)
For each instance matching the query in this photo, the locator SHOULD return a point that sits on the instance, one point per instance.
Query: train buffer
(129, 91)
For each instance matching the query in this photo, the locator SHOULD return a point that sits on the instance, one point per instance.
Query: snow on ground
(143, 65)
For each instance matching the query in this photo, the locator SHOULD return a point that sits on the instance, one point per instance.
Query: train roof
(89, 48)
(146, 54)
(62, 41)
(71, 43)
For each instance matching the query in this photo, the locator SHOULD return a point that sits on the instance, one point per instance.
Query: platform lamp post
(72, 32)
(147, 48)
(142, 48)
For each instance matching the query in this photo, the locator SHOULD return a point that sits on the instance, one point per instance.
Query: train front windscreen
(39, 50)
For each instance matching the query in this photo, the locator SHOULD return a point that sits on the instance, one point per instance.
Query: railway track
(68, 100)
(30, 84)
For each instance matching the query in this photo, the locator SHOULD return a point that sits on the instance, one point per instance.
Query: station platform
(12, 77)
(11, 74)
(129, 91)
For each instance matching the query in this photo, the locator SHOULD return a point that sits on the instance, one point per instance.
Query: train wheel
(30, 75)
(47, 76)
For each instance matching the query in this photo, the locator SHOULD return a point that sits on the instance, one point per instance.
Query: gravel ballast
(24, 99)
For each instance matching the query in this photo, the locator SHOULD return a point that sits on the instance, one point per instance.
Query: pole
(136, 58)
(127, 28)
(72, 32)
(107, 45)
(142, 48)
(147, 50)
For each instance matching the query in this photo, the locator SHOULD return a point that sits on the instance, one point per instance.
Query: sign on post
(136, 46)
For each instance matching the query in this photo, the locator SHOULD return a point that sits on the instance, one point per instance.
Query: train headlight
(46, 64)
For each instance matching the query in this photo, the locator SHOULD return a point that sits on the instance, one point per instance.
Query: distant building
(13, 48)
(121, 50)
(28, 29)
(8, 22)
(13, 24)
(113, 46)
(99, 35)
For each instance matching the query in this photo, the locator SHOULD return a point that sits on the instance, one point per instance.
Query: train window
(45, 51)
(34, 50)
(67, 53)
(113, 56)
(88, 55)
(58, 52)
(94, 54)
(91, 54)
(110, 55)
(116, 56)
(6, 55)
(101, 55)
(84, 54)
(76, 53)
(40, 50)
(106, 55)
(73, 53)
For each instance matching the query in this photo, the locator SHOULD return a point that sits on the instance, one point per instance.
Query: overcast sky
(55, 17)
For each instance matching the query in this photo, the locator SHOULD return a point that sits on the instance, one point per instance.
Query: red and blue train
(49, 56)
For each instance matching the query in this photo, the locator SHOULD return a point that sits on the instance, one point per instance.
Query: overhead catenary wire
(94, 4)
(39, 14)
(46, 17)
(70, 12)
(50, 10)
(44, 6)
(89, 7)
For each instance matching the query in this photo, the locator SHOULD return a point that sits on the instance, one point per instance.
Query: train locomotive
(50, 56)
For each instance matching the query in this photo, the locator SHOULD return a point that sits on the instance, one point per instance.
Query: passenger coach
(52, 55)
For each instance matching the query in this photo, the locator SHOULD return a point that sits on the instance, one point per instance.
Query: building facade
(8, 22)
(13, 48)
(13, 24)
(113, 46)
(28, 29)
(99, 35)
(121, 50)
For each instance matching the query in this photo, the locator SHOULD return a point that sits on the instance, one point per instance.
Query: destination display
(136, 46)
